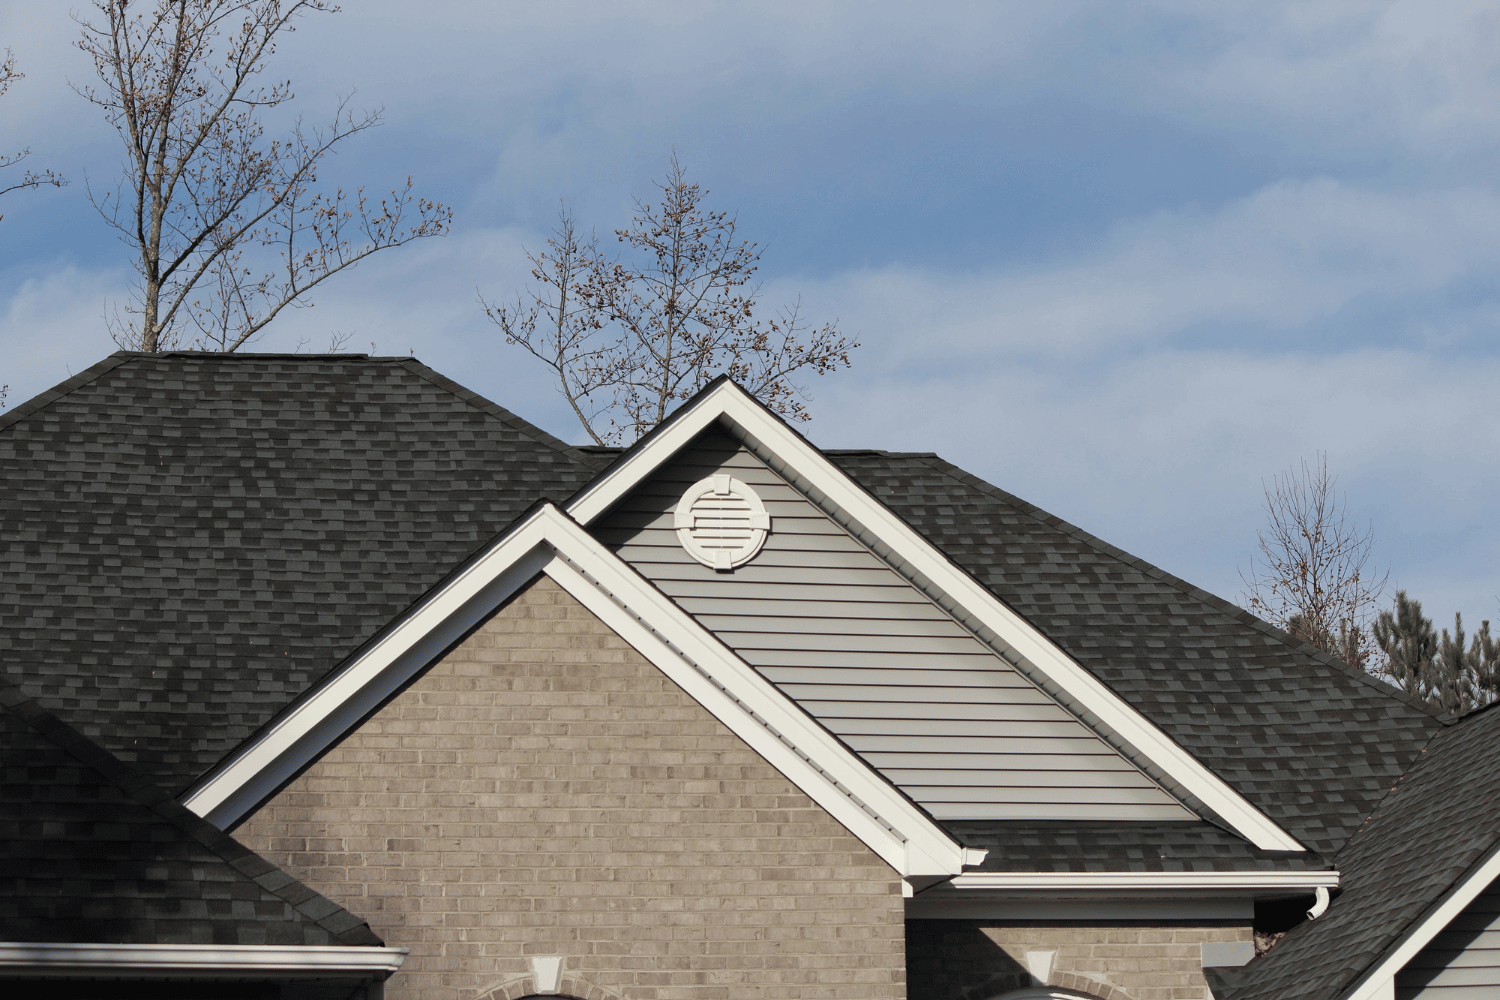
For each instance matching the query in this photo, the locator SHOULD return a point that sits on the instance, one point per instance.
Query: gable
(874, 660)
(544, 789)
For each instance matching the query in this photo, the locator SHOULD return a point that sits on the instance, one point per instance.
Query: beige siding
(877, 662)
(544, 790)
(1461, 963)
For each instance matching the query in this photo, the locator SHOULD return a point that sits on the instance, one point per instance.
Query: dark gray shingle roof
(1312, 742)
(1120, 847)
(1437, 823)
(91, 852)
(188, 542)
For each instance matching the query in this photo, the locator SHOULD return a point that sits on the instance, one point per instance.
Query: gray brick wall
(975, 960)
(547, 791)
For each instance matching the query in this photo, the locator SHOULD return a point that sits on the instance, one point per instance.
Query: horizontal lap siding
(877, 662)
(1461, 963)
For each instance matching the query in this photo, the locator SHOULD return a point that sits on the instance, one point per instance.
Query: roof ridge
(1178, 583)
(344, 926)
(49, 396)
(494, 409)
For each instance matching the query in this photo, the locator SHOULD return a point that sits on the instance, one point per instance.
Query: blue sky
(1126, 261)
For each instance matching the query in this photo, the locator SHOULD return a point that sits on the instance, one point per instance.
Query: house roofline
(918, 559)
(550, 542)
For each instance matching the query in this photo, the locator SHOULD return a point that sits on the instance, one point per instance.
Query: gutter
(69, 959)
(1302, 881)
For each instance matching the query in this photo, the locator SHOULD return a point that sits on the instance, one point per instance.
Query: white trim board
(1379, 982)
(52, 958)
(550, 542)
(916, 558)
(1254, 881)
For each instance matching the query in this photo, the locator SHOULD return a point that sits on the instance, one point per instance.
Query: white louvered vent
(721, 522)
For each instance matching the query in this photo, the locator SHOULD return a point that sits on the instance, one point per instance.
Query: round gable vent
(721, 522)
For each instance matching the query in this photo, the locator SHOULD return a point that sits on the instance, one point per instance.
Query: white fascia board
(1379, 982)
(551, 542)
(923, 560)
(198, 959)
(1241, 881)
(228, 792)
(714, 675)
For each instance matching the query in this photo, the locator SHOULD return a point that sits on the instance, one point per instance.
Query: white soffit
(551, 542)
(1379, 982)
(729, 402)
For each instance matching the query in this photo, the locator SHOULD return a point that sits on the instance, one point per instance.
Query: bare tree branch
(30, 180)
(224, 226)
(627, 339)
(1313, 577)
(559, 326)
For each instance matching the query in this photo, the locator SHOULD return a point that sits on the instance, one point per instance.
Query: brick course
(976, 960)
(545, 790)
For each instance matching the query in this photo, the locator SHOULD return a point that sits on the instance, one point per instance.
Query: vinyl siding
(874, 660)
(1461, 963)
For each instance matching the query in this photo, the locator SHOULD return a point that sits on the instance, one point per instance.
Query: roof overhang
(1379, 981)
(549, 541)
(792, 456)
(51, 959)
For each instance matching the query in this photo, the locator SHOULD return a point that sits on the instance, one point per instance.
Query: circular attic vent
(721, 522)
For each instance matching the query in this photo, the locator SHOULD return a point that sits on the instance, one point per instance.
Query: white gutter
(1305, 881)
(146, 959)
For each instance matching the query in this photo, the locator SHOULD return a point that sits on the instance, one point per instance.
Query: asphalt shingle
(188, 542)
(91, 852)
(1310, 741)
(1438, 821)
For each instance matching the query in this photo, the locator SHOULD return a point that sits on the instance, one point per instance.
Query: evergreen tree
(1452, 674)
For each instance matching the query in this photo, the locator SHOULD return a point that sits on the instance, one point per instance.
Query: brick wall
(975, 960)
(547, 791)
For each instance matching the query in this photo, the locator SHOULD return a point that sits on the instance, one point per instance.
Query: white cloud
(1287, 258)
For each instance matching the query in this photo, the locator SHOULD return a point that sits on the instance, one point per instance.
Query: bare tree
(1313, 578)
(224, 226)
(30, 179)
(561, 325)
(627, 338)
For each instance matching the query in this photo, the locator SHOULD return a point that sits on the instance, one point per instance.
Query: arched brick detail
(1088, 984)
(570, 987)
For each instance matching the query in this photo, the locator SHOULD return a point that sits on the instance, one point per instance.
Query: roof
(94, 853)
(1438, 822)
(1120, 847)
(190, 541)
(194, 540)
(1311, 741)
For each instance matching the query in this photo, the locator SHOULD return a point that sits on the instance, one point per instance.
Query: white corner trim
(1379, 982)
(923, 560)
(1306, 881)
(147, 959)
(551, 542)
